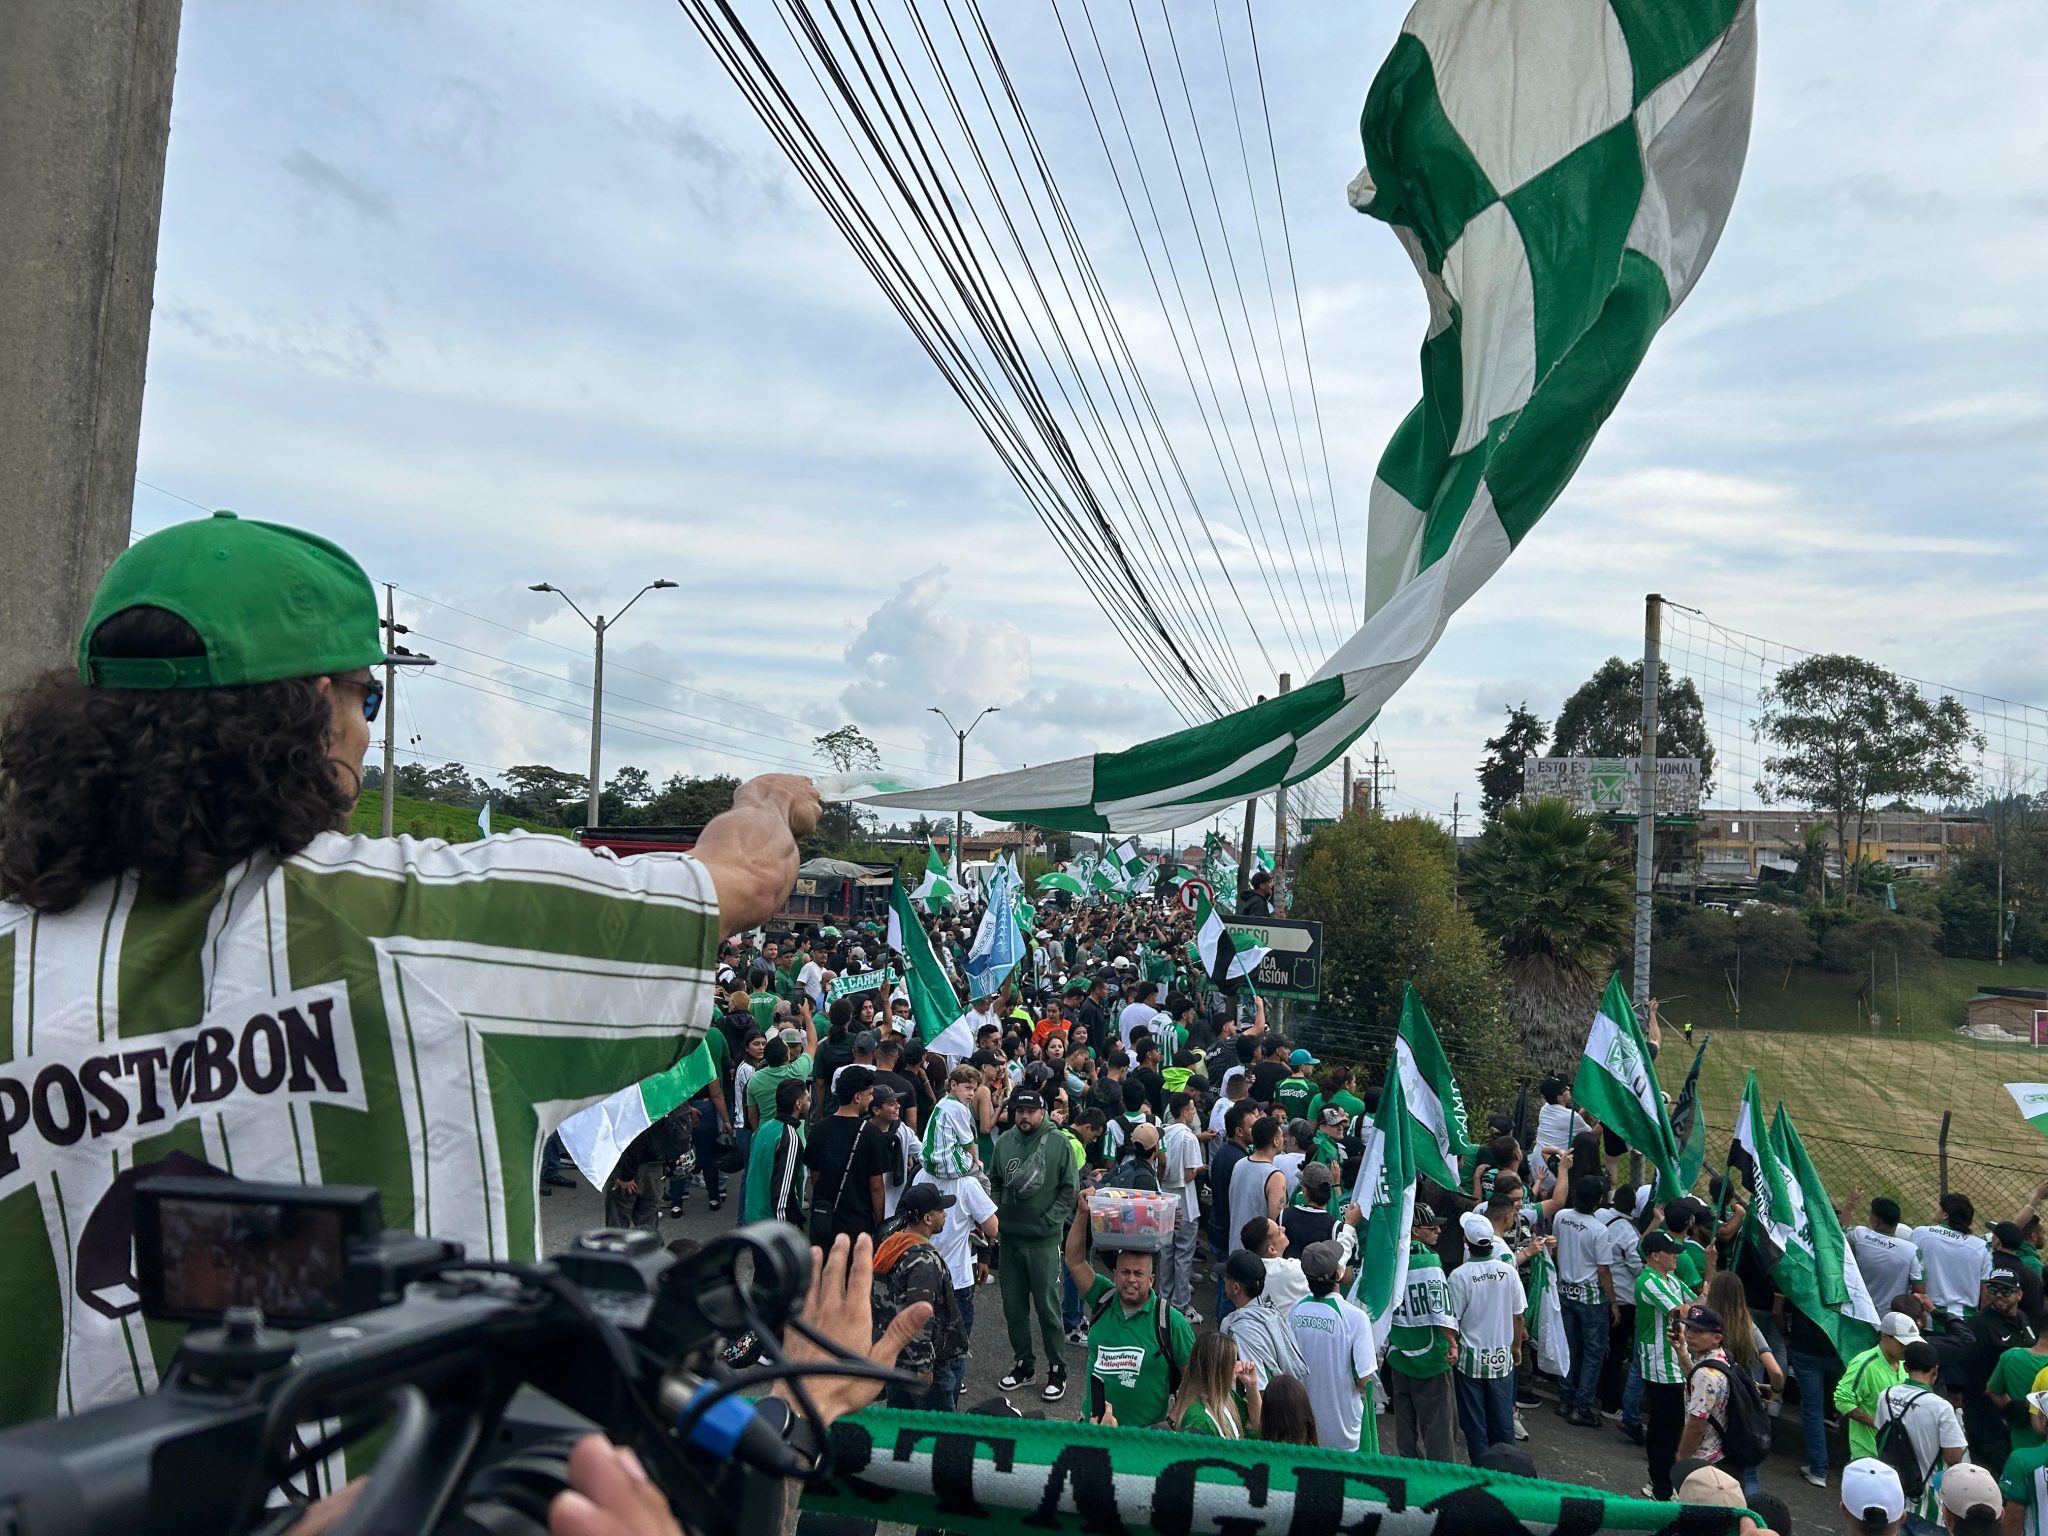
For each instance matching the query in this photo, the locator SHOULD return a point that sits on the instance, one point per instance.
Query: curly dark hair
(176, 786)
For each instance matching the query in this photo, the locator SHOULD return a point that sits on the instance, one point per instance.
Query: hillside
(430, 818)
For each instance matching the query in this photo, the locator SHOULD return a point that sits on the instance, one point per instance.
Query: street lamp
(959, 817)
(598, 626)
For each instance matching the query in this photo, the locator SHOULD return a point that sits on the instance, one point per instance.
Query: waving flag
(935, 893)
(1431, 1094)
(1222, 960)
(597, 1137)
(1385, 1192)
(933, 1003)
(1688, 1126)
(1817, 1234)
(1560, 177)
(1617, 1086)
(1061, 881)
(998, 942)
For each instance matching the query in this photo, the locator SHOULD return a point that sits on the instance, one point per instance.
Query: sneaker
(1521, 1429)
(1632, 1433)
(1525, 1397)
(1078, 1336)
(1020, 1373)
(545, 1191)
(675, 1211)
(1055, 1384)
(1818, 1479)
(1651, 1493)
(717, 1201)
(1563, 1410)
(561, 1181)
(1611, 1413)
(1585, 1418)
(1194, 1318)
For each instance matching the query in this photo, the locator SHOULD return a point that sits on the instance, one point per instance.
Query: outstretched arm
(751, 851)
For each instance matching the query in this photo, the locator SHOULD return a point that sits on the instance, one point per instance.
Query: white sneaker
(1521, 1429)
(1194, 1318)
(1077, 1336)
(1819, 1480)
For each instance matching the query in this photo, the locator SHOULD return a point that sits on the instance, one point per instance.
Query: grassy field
(1869, 1103)
(430, 818)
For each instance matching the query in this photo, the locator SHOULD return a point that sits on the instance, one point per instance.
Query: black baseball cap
(2004, 1279)
(923, 1199)
(1660, 1242)
(1703, 1317)
(1026, 1100)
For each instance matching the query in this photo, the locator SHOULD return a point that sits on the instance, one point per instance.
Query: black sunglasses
(373, 694)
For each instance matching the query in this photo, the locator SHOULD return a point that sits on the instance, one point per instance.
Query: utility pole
(960, 769)
(390, 706)
(1280, 826)
(598, 626)
(1646, 797)
(1454, 819)
(85, 119)
(1346, 811)
(1456, 900)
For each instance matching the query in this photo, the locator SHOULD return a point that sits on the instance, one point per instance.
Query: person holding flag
(1430, 1096)
(1422, 1349)
(1336, 1341)
(1617, 1085)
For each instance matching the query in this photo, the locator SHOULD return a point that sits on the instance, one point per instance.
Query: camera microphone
(758, 1433)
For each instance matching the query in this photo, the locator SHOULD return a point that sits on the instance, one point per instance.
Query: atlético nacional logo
(1624, 1063)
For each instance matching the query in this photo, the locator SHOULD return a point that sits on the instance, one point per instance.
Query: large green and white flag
(1560, 176)
(936, 892)
(596, 1137)
(1222, 961)
(1060, 880)
(1784, 1199)
(414, 1016)
(1617, 1085)
(933, 1003)
(1385, 1192)
(1688, 1125)
(2032, 1099)
(1431, 1094)
(1543, 1315)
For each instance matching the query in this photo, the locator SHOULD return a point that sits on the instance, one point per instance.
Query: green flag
(1385, 1192)
(1688, 1125)
(2032, 1099)
(933, 1003)
(1060, 881)
(935, 893)
(1431, 1094)
(597, 1136)
(1617, 1086)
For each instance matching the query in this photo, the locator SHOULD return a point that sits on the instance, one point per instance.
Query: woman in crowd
(1219, 1393)
(1285, 1415)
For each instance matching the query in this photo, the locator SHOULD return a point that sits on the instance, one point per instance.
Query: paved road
(1591, 1458)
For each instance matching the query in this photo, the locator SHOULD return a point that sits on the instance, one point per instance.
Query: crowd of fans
(1109, 1065)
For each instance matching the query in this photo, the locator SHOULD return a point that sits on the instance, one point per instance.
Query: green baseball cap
(268, 603)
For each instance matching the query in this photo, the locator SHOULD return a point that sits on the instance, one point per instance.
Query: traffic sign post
(1293, 963)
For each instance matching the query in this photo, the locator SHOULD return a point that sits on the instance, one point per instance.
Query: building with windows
(1745, 846)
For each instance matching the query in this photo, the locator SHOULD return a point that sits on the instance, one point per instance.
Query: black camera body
(481, 1376)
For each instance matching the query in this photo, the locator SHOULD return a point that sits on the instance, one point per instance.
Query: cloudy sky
(497, 294)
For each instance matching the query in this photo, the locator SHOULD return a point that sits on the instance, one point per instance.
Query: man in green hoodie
(1032, 1171)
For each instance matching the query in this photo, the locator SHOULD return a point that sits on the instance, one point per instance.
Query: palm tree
(1552, 889)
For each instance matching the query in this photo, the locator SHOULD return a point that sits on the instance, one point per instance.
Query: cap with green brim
(267, 602)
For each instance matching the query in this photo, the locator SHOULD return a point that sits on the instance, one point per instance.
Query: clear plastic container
(1131, 1218)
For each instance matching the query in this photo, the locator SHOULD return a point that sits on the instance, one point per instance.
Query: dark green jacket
(1035, 1184)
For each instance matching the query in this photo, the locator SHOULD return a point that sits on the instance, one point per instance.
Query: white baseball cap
(1868, 1484)
(1897, 1325)
(1967, 1486)
(2038, 1401)
(1477, 1228)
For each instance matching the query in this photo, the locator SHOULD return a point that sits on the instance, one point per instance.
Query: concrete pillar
(85, 117)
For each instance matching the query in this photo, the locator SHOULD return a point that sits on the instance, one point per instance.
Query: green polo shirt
(2023, 1483)
(2013, 1377)
(1862, 1384)
(762, 1007)
(1123, 1353)
(762, 1085)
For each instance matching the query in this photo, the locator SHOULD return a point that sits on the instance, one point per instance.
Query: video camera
(318, 1330)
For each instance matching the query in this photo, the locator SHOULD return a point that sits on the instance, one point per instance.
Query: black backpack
(1746, 1434)
(1895, 1449)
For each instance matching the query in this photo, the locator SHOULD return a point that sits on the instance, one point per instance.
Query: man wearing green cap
(199, 970)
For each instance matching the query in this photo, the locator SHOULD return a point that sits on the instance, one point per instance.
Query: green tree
(547, 795)
(623, 801)
(847, 748)
(412, 780)
(1849, 735)
(690, 802)
(1552, 890)
(451, 784)
(1381, 888)
(1500, 774)
(843, 826)
(1604, 718)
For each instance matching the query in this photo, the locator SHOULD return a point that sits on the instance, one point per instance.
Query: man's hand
(626, 1187)
(839, 1307)
(795, 796)
(609, 1495)
(750, 851)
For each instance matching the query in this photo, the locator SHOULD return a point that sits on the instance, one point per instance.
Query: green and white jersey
(397, 1013)
(1659, 1298)
(1487, 1299)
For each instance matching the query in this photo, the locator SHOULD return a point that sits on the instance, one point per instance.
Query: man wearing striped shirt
(1660, 1355)
(189, 940)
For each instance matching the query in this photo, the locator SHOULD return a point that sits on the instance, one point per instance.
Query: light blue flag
(998, 942)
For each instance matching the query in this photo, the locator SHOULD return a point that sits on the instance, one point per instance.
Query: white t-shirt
(1134, 1016)
(1556, 1125)
(1334, 1340)
(1285, 1283)
(1581, 1249)
(812, 979)
(1290, 1163)
(1622, 1253)
(1933, 1426)
(1956, 1268)
(1247, 1196)
(1487, 1298)
(1180, 1158)
(1221, 1108)
(1889, 1263)
(973, 1208)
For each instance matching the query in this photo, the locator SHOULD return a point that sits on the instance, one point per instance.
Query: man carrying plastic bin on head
(1137, 1345)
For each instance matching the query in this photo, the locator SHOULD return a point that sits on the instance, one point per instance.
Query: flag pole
(1646, 816)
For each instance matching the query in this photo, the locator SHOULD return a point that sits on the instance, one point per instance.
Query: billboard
(1606, 786)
